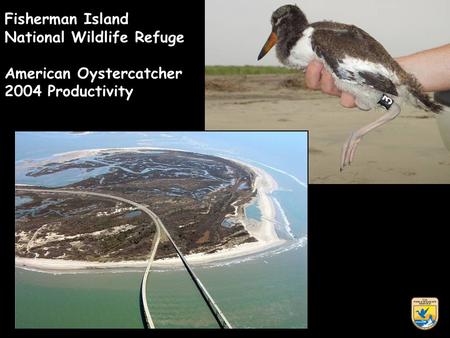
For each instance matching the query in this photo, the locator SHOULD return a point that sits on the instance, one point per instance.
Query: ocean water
(268, 290)
(85, 300)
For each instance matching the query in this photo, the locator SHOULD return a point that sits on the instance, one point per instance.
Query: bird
(358, 63)
(422, 312)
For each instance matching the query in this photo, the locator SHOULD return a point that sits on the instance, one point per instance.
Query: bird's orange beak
(271, 41)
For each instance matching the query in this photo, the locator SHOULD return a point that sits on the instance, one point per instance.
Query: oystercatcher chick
(358, 63)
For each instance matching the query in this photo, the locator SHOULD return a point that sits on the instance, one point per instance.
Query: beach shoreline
(263, 231)
(61, 266)
(392, 154)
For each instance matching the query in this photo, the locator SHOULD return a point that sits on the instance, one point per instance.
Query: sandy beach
(264, 185)
(75, 154)
(407, 150)
(263, 231)
(68, 266)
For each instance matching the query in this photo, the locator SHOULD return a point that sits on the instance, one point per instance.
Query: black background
(158, 105)
(372, 248)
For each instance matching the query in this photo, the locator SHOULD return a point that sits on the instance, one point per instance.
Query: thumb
(347, 100)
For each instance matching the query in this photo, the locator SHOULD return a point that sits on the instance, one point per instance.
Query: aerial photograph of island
(161, 229)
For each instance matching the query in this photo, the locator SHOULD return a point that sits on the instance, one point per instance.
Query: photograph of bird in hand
(358, 63)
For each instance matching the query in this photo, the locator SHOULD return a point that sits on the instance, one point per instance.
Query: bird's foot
(349, 149)
(345, 149)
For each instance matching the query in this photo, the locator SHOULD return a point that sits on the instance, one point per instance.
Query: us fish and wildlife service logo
(424, 312)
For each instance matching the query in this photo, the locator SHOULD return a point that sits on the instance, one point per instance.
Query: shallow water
(20, 200)
(252, 211)
(133, 213)
(60, 178)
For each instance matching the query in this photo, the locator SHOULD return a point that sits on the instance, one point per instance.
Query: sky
(237, 29)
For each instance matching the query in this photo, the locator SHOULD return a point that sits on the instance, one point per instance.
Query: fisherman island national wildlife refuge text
(103, 36)
(86, 81)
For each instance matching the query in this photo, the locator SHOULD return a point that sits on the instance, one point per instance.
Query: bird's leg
(345, 148)
(388, 116)
(349, 148)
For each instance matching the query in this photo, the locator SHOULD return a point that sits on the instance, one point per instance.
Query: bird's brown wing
(334, 42)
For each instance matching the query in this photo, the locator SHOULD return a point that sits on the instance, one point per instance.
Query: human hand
(318, 78)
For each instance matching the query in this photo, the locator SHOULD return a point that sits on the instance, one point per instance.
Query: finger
(313, 74)
(327, 84)
(348, 100)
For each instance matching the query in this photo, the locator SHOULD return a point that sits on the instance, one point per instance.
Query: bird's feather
(345, 50)
(379, 82)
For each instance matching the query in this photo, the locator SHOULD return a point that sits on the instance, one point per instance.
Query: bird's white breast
(302, 53)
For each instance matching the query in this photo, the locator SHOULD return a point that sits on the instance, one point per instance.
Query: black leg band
(386, 101)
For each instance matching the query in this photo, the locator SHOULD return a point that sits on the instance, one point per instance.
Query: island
(200, 198)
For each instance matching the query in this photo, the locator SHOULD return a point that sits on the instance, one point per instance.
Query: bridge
(212, 305)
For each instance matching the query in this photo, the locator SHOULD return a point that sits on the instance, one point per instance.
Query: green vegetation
(246, 70)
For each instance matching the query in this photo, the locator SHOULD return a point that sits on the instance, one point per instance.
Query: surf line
(98, 91)
(296, 179)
